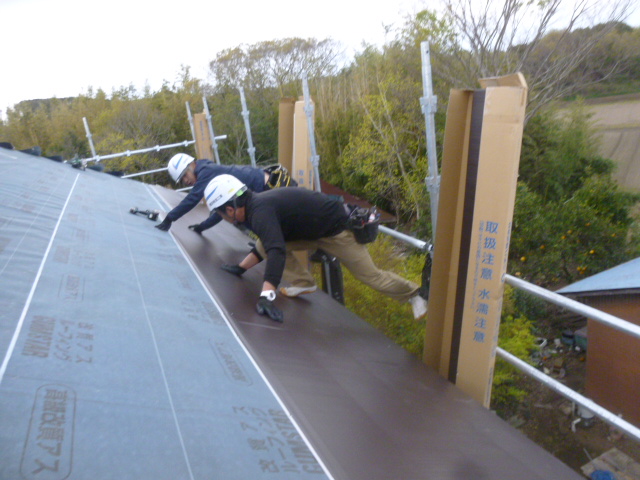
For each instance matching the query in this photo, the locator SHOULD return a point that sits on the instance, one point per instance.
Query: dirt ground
(546, 417)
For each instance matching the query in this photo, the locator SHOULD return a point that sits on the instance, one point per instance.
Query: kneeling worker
(187, 170)
(289, 219)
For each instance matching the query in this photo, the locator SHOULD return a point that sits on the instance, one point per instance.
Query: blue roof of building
(623, 277)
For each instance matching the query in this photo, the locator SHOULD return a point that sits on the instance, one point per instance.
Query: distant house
(613, 357)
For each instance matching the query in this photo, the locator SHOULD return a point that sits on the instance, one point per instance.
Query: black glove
(196, 227)
(235, 269)
(266, 307)
(165, 225)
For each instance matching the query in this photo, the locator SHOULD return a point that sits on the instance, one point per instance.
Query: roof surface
(622, 277)
(127, 353)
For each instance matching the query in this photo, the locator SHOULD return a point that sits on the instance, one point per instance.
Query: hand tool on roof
(150, 214)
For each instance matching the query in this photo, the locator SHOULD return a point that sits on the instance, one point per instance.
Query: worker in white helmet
(289, 219)
(194, 173)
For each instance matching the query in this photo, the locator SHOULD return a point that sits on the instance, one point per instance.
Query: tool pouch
(363, 222)
(279, 177)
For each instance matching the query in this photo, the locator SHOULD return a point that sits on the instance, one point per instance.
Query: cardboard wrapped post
(301, 170)
(437, 345)
(294, 150)
(483, 139)
(294, 147)
(204, 142)
(285, 132)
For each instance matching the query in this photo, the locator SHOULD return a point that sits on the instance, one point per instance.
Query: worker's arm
(265, 304)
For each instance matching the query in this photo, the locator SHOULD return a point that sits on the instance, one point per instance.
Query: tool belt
(279, 177)
(363, 222)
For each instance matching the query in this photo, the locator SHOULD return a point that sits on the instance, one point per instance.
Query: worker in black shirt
(194, 173)
(290, 219)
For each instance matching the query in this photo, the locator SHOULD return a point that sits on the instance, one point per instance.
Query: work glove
(235, 269)
(165, 225)
(266, 307)
(196, 227)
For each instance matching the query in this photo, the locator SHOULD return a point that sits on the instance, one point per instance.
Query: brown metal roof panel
(371, 409)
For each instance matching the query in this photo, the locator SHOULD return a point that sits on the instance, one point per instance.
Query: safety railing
(592, 313)
(572, 305)
(128, 153)
(145, 173)
(419, 244)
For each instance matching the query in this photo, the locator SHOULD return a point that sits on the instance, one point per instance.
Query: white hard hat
(178, 165)
(221, 189)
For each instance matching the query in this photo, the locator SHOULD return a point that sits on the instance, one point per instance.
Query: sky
(63, 48)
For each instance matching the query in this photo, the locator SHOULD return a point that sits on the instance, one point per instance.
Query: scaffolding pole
(247, 127)
(214, 144)
(429, 103)
(190, 117)
(89, 136)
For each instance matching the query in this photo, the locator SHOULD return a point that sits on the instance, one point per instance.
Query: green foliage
(274, 64)
(337, 116)
(559, 152)
(571, 219)
(555, 243)
(267, 71)
(617, 50)
(385, 158)
(516, 337)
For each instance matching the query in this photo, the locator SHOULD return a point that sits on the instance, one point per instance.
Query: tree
(549, 41)
(557, 243)
(385, 160)
(267, 71)
(560, 152)
(274, 64)
(570, 218)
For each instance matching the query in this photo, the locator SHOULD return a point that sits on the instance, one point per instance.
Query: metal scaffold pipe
(245, 115)
(429, 106)
(575, 306)
(145, 173)
(566, 392)
(422, 245)
(128, 153)
(89, 136)
(190, 117)
(214, 144)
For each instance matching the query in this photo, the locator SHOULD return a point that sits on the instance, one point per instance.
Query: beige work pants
(354, 256)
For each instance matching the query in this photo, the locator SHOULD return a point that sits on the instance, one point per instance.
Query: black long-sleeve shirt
(287, 214)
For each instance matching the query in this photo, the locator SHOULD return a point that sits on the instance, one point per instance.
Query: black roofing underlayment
(128, 354)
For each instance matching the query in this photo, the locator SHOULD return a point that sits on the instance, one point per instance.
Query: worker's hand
(266, 307)
(196, 227)
(165, 225)
(235, 269)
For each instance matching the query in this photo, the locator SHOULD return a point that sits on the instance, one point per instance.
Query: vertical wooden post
(301, 170)
(481, 155)
(204, 142)
(285, 132)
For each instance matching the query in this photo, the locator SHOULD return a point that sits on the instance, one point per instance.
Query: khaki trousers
(354, 256)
